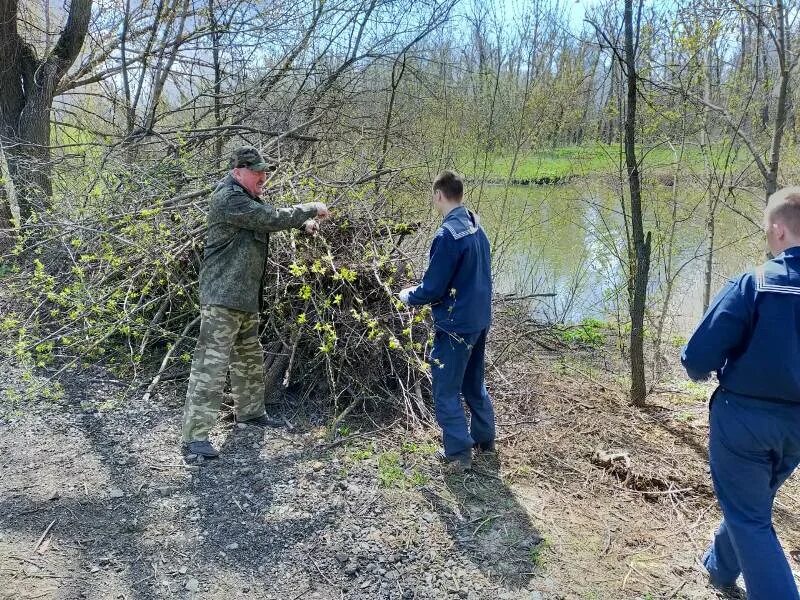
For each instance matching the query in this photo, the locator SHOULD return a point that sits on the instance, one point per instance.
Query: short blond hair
(784, 206)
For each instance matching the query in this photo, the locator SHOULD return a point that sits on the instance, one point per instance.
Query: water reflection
(570, 240)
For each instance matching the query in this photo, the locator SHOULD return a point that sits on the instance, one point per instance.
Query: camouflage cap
(247, 157)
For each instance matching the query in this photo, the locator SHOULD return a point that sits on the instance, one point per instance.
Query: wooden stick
(354, 436)
(325, 577)
(41, 538)
(341, 417)
(167, 356)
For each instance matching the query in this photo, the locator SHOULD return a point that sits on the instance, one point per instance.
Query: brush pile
(118, 283)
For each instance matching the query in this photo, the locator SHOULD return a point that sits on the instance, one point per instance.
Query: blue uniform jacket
(458, 282)
(750, 335)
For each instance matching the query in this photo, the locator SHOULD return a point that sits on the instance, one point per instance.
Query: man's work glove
(322, 210)
(403, 295)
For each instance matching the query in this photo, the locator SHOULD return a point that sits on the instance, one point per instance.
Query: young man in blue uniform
(458, 286)
(750, 337)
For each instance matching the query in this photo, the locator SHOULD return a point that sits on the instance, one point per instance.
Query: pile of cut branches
(116, 281)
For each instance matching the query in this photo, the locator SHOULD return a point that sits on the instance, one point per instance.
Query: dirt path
(283, 516)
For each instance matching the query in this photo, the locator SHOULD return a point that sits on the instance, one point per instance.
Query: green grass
(421, 449)
(398, 468)
(390, 473)
(559, 164)
(362, 454)
(678, 341)
(696, 391)
(538, 554)
(537, 165)
(418, 479)
(590, 332)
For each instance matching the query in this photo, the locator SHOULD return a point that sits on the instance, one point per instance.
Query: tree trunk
(130, 109)
(640, 252)
(166, 58)
(712, 199)
(28, 85)
(387, 127)
(761, 75)
(711, 228)
(218, 121)
(8, 202)
(34, 133)
(771, 183)
(669, 255)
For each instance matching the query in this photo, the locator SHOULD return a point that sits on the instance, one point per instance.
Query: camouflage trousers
(228, 338)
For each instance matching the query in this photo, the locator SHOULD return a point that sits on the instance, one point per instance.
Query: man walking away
(750, 337)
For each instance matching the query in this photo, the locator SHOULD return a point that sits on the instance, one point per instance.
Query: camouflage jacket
(236, 245)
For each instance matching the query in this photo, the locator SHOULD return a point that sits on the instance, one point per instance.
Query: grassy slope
(556, 164)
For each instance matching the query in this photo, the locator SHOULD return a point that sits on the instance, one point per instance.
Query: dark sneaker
(729, 592)
(723, 591)
(201, 448)
(263, 421)
(485, 448)
(457, 463)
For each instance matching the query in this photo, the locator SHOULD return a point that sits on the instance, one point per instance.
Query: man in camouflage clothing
(239, 224)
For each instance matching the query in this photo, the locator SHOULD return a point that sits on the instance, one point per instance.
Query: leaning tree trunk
(28, 85)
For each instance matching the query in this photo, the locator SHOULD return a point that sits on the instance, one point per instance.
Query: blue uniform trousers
(754, 446)
(457, 368)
